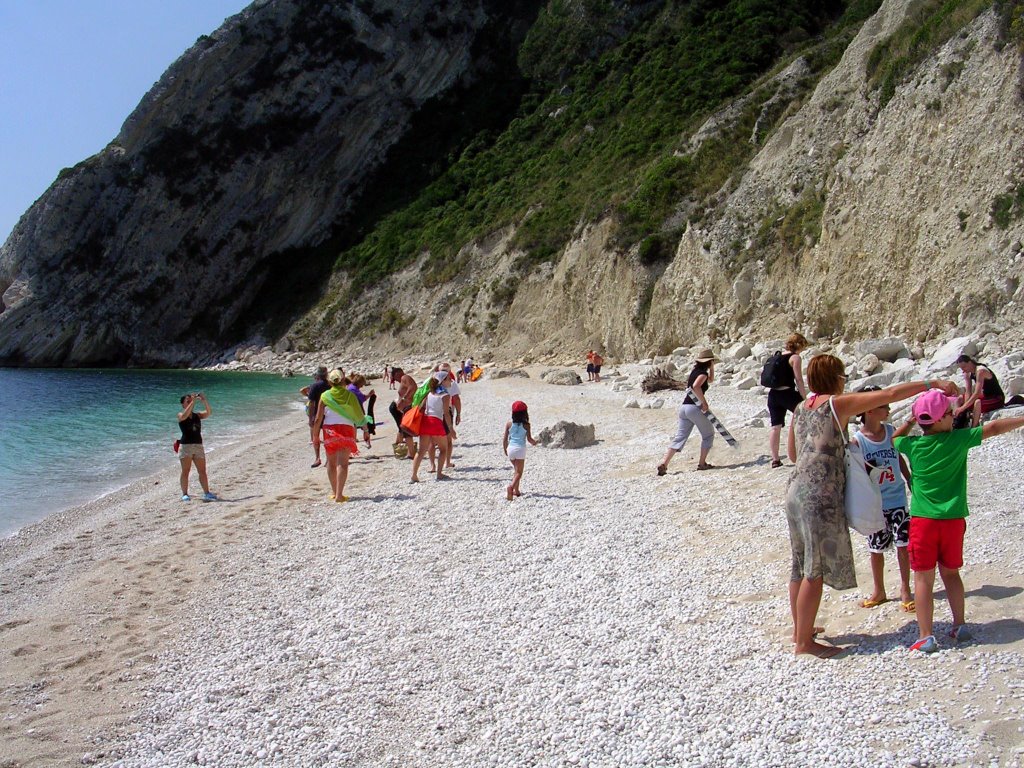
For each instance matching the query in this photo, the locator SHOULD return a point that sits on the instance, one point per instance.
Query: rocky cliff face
(899, 205)
(204, 215)
(854, 216)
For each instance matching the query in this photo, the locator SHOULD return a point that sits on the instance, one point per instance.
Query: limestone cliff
(904, 207)
(251, 152)
(262, 152)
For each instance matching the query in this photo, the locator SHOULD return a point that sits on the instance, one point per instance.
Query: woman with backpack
(784, 378)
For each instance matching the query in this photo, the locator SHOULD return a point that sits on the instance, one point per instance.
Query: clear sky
(71, 71)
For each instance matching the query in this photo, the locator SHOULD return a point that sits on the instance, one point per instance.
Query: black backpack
(777, 372)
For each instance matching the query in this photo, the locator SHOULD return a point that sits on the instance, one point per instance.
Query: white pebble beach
(608, 617)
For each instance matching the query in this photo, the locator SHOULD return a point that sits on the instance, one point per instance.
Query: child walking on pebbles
(938, 508)
(875, 438)
(517, 434)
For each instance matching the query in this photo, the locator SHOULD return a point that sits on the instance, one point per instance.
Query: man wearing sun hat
(938, 507)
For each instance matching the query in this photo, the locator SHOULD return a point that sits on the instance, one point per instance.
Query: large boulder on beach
(562, 376)
(567, 434)
(508, 373)
(889, 349)
(945, 356)
(869, 363)
(902, 370)
(738, 351)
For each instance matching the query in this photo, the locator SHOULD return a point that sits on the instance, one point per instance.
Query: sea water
(69, 436)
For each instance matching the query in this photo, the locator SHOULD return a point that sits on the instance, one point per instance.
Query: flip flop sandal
(705, 466)
(908, 606)
(868, 603)
(662, 469)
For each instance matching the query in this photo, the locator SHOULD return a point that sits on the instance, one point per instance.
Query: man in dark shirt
(312, 393)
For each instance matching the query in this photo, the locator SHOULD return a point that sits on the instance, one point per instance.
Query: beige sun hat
(705, 356)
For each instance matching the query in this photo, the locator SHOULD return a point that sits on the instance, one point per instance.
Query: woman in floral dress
(818, 533)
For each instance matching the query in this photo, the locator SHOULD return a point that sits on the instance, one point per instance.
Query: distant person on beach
(437, 426)
(590, 365)
(312, 393)
(787, 390)
(517, 435)
(598, 362)
(455, 391)
(692, 413)
(190, 450)
(366, 402)
(397, 409)
(875, 437)
(338, 415)
(984, 394)
(395, 377)
(819, 538)
(938, 508)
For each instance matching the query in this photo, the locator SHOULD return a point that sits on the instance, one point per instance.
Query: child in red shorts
(938, 507)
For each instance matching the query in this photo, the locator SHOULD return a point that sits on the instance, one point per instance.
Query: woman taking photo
(691, 413)
(815, 511)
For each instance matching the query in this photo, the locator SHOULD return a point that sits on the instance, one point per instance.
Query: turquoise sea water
(68, 436)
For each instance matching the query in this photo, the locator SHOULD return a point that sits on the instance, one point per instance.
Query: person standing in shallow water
(190, 450)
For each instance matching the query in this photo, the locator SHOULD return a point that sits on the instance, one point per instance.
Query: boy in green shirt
(938, 507)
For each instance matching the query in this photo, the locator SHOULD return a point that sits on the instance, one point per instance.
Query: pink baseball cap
(932, 406)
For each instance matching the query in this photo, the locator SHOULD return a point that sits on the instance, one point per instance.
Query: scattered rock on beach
(508, 373)
(946, 355)
(631, 403)
(888, 349)
(561, 376)
(869, 363)
(567, 434)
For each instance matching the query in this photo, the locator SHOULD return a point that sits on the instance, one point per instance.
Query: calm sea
(69, 436)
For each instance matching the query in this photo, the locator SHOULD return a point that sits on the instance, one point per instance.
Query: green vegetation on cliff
(930, 25)
(608, 134)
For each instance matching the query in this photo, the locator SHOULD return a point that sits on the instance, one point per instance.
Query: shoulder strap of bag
(835, 416)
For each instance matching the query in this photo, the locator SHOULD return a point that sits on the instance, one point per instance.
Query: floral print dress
(818, 532)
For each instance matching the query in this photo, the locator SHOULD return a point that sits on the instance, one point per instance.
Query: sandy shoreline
(438, 624)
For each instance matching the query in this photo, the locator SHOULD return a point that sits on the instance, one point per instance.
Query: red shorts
(936, 541)
(989, 404)
(340, 437)
(433, 427)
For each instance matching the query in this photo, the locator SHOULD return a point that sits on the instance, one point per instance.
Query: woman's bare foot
(819, 650)
(815, 631)
(414, 479)
(508, 493)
